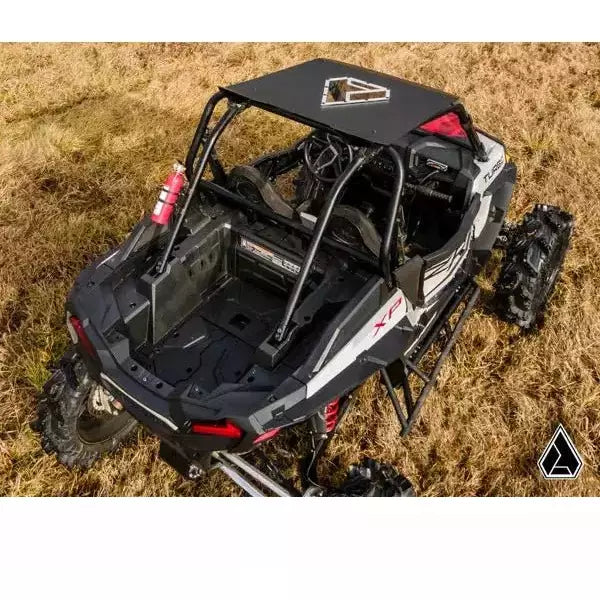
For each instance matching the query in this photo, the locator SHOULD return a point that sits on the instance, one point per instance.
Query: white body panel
(436, 278)
(489, 171)
(383, 321)
(444, 272)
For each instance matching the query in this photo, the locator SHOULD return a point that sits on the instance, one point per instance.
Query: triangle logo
(349, 90)
(560, 459)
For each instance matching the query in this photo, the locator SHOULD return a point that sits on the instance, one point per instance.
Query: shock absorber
(169, 194)
(324, 422)
(322, 425)
(331, 415)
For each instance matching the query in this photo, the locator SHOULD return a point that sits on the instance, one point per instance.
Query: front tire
(76, 419)
(534, 258)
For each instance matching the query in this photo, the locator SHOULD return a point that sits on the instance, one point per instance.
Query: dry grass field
(87, 134)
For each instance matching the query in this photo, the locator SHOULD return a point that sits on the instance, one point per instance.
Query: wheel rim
(99, 422)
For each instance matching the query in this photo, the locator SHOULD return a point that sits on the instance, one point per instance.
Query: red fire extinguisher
(169, 194)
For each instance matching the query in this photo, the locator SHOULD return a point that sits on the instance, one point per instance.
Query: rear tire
(534, 258)
(69, 425)
(373, 479)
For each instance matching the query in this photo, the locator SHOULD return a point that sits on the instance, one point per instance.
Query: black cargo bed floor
(217, 342)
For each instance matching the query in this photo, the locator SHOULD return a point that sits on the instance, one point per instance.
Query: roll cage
(202, 154)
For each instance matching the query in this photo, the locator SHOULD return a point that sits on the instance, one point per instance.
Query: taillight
(448, 125)
(81, 336)
(267, 435)
(224, 428)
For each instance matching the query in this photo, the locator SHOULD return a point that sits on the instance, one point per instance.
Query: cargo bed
(204, 321)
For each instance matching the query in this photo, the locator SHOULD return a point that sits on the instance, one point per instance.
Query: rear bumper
(138, 409)
(176, 434)
(170, 416)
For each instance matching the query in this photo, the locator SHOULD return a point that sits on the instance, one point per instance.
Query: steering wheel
(327, 157)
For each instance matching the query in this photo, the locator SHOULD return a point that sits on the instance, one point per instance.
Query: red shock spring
(331, 414)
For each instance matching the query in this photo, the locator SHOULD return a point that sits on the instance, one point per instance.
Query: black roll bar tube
(384, 253)
(362, 155)
(200, 130)
(467, 124)
(232, 111)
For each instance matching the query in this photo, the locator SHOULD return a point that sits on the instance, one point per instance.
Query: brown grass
(88, 132)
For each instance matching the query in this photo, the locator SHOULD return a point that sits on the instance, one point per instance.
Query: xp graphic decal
(560, 459)
(387, 316)
(349, 90)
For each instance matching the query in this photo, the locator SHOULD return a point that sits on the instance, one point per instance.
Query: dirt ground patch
(87, 133)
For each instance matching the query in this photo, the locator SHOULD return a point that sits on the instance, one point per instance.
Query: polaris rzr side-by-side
(235, 311)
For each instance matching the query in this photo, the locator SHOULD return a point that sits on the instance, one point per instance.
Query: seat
(249, 182)
(351, 226)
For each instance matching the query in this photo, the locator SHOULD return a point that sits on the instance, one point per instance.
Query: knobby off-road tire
(534, 257)
(69, 425)
(373, 479)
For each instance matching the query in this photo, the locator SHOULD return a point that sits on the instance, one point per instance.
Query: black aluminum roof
(297, 93)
